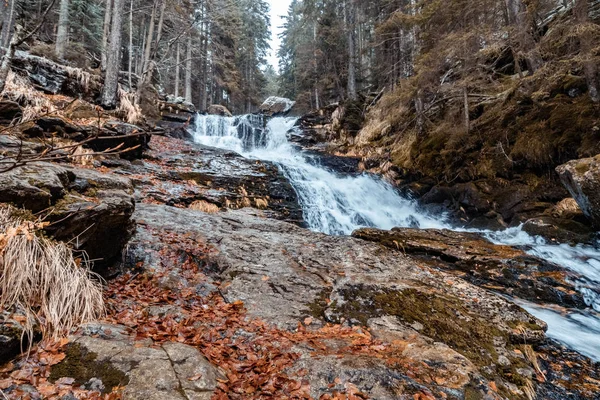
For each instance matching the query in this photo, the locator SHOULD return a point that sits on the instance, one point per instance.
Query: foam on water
(336, 204)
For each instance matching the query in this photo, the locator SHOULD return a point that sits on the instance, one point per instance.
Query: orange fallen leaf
(195, 377)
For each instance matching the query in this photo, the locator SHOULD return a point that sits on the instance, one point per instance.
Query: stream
(338, 204)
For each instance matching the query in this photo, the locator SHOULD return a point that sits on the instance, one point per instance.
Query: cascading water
(337, 205)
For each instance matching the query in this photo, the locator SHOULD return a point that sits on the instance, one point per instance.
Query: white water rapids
(337, 205)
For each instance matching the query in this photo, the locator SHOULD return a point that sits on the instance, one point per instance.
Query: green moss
(20, 213)
(532, 326)
(91, 192)
(197, 177)
(319, 305)
(582, 168)
(82, 365)
(472, 393)
(445, 319)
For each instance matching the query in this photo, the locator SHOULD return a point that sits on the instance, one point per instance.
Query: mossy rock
(442, 318)
(82, 365)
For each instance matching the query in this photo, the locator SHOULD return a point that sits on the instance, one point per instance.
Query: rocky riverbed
(217, 290)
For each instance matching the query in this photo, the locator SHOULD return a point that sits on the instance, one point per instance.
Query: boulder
(127, 136)
(35, 186)
(176, 118)
(9, 110)
(54, 78)
(97, 212)
(10, 338)
(108, 357)
(86, 205)
(177, 110)
(560, 230)
(113, 135)
(276, 106)
(217, 109)
(477, 260)
(582, 180)
(453, 339)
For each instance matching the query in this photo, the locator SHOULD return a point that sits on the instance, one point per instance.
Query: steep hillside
(483, 140)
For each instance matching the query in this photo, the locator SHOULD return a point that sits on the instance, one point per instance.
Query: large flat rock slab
(438, 332)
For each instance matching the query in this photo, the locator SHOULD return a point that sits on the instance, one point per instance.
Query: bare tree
(113, 60)
(586, 40)
(62, 33)
(8, 17)
(18, 38)
(188, 71)
(106, 33)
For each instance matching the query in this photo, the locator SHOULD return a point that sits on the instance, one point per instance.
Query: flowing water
(338, 204)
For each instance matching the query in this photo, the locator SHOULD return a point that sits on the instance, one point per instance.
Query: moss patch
(82, 365)
(444, 319)
(319, 305)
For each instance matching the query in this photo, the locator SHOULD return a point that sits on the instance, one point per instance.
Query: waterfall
(337, 205)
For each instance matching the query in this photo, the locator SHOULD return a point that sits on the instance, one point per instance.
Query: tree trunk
(350, 11)
(466, 105)
(148, 49)
(586, 40)
(113, 61)
(177, 69)
(519, 16)
(8, 56)
(204, 72)
(130, 64)
(62, 33)
(188, 71)
(105, 34)
(8, 17)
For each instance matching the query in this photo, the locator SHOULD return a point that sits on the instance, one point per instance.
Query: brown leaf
(195, 377)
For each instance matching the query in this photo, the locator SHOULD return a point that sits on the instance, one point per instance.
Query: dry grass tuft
(531, 355)
(127, 107)
(42, 279)
(204, 206)
(82, 156)
(529, 390)
(261, 204)
(19, 89)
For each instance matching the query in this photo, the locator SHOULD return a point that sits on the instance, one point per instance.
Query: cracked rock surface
(155, 372)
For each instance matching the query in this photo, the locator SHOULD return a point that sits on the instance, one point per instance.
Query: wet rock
(582, 179)
(455, 334)
(217, 109)
(501, 268)
(130, 141)
(84, 204)
(343, 165)
(179, 173)
(560, 230)
(276, 106)
(97, 212)
(9, 111)
(122, 136)
(10, 338)
(34, 186)
(54, 78)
